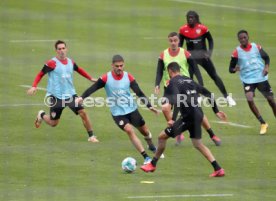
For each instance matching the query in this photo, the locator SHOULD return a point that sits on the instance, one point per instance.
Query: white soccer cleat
(231, 102)
(93, 139)
(38, 120)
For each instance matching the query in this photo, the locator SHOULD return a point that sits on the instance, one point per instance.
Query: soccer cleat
(179, 139)
(216, 140)
(263, 129)
(231, 102)
(218, 173)
(147, 160)
(153, 149)
(38, 120)
(93, 139)
(148, 168)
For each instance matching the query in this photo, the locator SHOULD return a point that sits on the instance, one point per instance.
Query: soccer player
(187, 65)
(117, 84)
(252, 62)
(195, 35)
(60, 89)
(191, 116)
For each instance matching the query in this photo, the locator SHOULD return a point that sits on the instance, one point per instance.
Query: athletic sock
(261, 120)
(90, 133)
(210, 132)
(215, 165)
(144, 154)
(42, 115)
(152, 147)
(154, 161)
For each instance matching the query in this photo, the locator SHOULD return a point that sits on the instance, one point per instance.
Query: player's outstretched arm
(98, 84)
(32, 91)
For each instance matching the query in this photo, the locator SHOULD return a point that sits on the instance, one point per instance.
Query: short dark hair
(174, 67)
(193, 13)
(59, 42)
(172, 34)
(242, 31)
(117, 58)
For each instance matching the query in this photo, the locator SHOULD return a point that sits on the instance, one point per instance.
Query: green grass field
(58, 164)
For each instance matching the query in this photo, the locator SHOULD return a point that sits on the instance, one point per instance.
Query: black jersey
(183, 93)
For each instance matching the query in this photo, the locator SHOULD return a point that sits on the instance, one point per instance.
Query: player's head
(192, 18)
(173, 40)
(118, 64)
(61, 49)
(173, 69)
(243, 37)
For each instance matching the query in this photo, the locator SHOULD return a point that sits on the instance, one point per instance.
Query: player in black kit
(184, 88)
(195, 34)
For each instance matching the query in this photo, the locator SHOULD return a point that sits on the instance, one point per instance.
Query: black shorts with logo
(134, 118)
(263, 87)
(57, 106)
(191, 123)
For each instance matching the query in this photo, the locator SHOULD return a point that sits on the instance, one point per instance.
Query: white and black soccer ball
(129, 164)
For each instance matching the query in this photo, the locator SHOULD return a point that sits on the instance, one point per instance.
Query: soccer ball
(129, 164)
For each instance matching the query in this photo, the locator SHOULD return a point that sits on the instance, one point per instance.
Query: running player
(187, 65)
(248, 60)
(117, 84)
(191, 116)
(60, 89)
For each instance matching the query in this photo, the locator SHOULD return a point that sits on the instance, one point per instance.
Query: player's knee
(197, 143)
(54, 123)
(128, 129)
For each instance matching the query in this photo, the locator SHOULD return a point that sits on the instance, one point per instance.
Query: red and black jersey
(195, 38)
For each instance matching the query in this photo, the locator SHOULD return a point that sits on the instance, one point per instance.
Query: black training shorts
(134, 118)
(57, 106)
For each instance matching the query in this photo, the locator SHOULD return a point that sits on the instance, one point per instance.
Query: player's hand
(222, 116)
(157, 90)
(237, 68)
(79, 100)
(94, 80)
(32, 91)
(154, 110)
(170, 122)
(265, 71)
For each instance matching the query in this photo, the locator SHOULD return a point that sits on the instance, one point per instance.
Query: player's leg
(79, 110)
(208, 65)
(265, 89)
(55, 112)
(218, 171)
(178, 127)
(136, 142)
(123, 121)
(195, 135)
(249, 94)
(138, 121)
(206, 125)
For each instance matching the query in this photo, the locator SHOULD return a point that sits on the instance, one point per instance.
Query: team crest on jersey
(198, 31)
(247, 88)
(53, 114)
(121, 123)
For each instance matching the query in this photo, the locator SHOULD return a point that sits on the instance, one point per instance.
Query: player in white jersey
(60, 89)
(252, 62)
